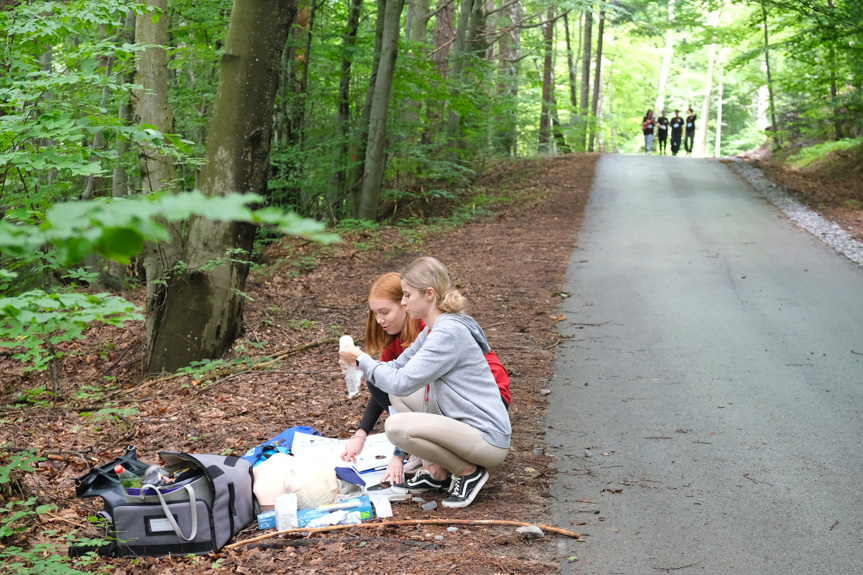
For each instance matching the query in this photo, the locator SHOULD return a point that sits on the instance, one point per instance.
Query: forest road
(706, 414)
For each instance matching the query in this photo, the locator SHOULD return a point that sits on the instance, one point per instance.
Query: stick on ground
(298, 530)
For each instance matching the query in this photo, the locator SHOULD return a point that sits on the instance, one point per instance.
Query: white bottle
(352, 374)
(286, 511)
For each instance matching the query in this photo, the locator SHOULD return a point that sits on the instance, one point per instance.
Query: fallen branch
(303, 542)
(299, 530)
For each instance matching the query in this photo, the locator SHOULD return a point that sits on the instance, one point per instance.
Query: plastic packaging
(157, 476)
(286, 511)
(352, 374)
(340, 517)
(127, 478)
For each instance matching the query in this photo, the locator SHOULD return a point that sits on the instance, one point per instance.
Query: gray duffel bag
(197, 517)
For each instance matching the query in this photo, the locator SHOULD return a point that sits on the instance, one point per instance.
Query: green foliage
(17, 515)
(820, 151)
(34, 319)
(62, 83)
(118, 228)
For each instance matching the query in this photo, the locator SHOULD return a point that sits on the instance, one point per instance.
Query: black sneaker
(465, 488)
(422, 482)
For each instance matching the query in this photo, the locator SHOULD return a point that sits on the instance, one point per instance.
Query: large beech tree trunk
(375, 157)
(202, 313)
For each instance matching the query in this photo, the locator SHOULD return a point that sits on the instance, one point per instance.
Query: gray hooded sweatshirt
(450, 359)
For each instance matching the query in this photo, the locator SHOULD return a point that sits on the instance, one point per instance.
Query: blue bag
(279, 444)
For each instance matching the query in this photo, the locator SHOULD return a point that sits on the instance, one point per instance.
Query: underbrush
(827, 153)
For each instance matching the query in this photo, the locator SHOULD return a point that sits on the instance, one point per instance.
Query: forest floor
(833, 187)
(510, 263)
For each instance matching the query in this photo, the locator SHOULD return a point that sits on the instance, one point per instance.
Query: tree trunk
(612, 131)
(720, 72)
(545, 109)
(570, 65)
(700, 144)
(375, 157)
(596, 77)
(202, 313)
(416, 30)
(99, 138)
(362, 132)
(443, 38)
(600, 116)
(585, 81)
(834, 104)
(298, 62)
(344, 101)
(120, 180)
(556, 128)
(468, 15)
(773, 126)
(507, 87)
(667, 53)
(151, 106)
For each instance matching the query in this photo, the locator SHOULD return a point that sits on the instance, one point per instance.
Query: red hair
(389, 287)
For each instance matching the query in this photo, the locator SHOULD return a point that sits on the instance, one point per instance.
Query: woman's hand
(348, 355)
(395, 472)
(354, 447)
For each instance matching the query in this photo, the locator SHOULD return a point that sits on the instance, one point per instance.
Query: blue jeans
(648, 143)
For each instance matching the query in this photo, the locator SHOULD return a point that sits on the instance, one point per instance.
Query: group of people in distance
(662, 125)
(446, 390)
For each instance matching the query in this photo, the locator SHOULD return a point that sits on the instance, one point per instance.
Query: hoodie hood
(472, 326)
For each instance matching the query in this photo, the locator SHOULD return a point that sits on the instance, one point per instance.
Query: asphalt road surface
(705, 414)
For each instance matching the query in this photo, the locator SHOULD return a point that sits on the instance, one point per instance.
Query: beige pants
(412, 403)
(437, 439)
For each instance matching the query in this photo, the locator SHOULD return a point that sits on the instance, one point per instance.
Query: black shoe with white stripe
(422, 482)
(465, 488)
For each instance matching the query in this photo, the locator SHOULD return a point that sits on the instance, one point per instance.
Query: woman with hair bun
(463, 429)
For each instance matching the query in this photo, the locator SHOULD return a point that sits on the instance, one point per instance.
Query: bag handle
(170, 517)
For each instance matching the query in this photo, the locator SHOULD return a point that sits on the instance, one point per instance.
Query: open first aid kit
(204, 502)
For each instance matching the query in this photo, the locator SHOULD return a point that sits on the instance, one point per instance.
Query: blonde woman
(463, 429)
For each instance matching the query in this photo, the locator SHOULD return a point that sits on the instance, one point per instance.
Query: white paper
(376, 453)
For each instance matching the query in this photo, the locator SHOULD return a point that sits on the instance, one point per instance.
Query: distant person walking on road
(647, 127)
(676, 132)
(690, 131)
(662, 134)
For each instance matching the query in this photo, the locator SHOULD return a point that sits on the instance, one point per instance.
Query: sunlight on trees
(380, 108)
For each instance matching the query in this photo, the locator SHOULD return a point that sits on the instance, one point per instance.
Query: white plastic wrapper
(352, 374)
(340, 517)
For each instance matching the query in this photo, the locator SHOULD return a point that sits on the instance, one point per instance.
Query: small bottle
(127, 478)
